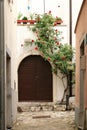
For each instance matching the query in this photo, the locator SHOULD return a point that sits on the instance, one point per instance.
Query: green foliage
(32, 16)
(25, 18)
(48, 43)
(19, 15)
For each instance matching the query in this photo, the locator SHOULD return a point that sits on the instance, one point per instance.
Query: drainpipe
(69, 93)
(44, 6)
(70, 40)
(2, 68)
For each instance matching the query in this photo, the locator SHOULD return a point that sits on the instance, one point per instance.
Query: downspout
(70, 41)
(2, 68)
(69, 93)
(44, 6)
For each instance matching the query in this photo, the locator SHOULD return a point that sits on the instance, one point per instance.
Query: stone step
(39, 106)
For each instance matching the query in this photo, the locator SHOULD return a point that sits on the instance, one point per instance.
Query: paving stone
(48, 120)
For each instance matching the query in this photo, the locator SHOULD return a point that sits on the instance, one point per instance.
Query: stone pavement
(45, 120)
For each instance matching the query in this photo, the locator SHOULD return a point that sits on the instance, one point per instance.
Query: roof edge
(79, 15)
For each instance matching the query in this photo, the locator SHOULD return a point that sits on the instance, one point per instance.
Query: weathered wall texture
(81, 30)
(24, 51)
(11, 51)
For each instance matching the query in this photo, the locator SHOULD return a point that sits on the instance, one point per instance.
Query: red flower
(48, 59)
(36, 48)
(50, 12)
(63, 58)
(55, 23)
(32, 40)
(57, 43)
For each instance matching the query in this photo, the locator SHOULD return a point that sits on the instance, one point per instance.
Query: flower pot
(59, 21)
(32, 21)
(25, 21)
(18, 21)
(22, 21)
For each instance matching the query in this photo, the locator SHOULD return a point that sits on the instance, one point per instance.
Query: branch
(62, 79)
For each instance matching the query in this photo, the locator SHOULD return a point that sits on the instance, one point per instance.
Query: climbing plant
(48, 42)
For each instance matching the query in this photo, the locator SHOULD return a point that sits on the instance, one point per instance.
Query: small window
(82, 46)
(82, 49)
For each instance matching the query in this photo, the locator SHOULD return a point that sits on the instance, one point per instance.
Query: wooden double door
(35, 80)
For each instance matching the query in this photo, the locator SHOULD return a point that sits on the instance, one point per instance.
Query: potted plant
(32, 19)
(45, 20)
(37, 17)
(58, 20)
(19, 17)
(25, 20)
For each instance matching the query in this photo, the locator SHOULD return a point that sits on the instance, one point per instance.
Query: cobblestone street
(45, 120)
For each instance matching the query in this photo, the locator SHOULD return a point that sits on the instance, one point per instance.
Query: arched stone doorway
(35, 81)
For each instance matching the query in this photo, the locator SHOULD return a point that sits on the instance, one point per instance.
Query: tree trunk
(65, 92)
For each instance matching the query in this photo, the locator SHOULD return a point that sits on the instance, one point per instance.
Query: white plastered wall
(23, 33)
(10, 13)
(58, 8)
(57, 84)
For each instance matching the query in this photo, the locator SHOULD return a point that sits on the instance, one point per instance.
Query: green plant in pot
(19, 17)
(25, 19)
(32, 18)
(58, 20)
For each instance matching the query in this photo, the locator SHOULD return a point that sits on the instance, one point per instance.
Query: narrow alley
(45, 120)
(43, 65)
